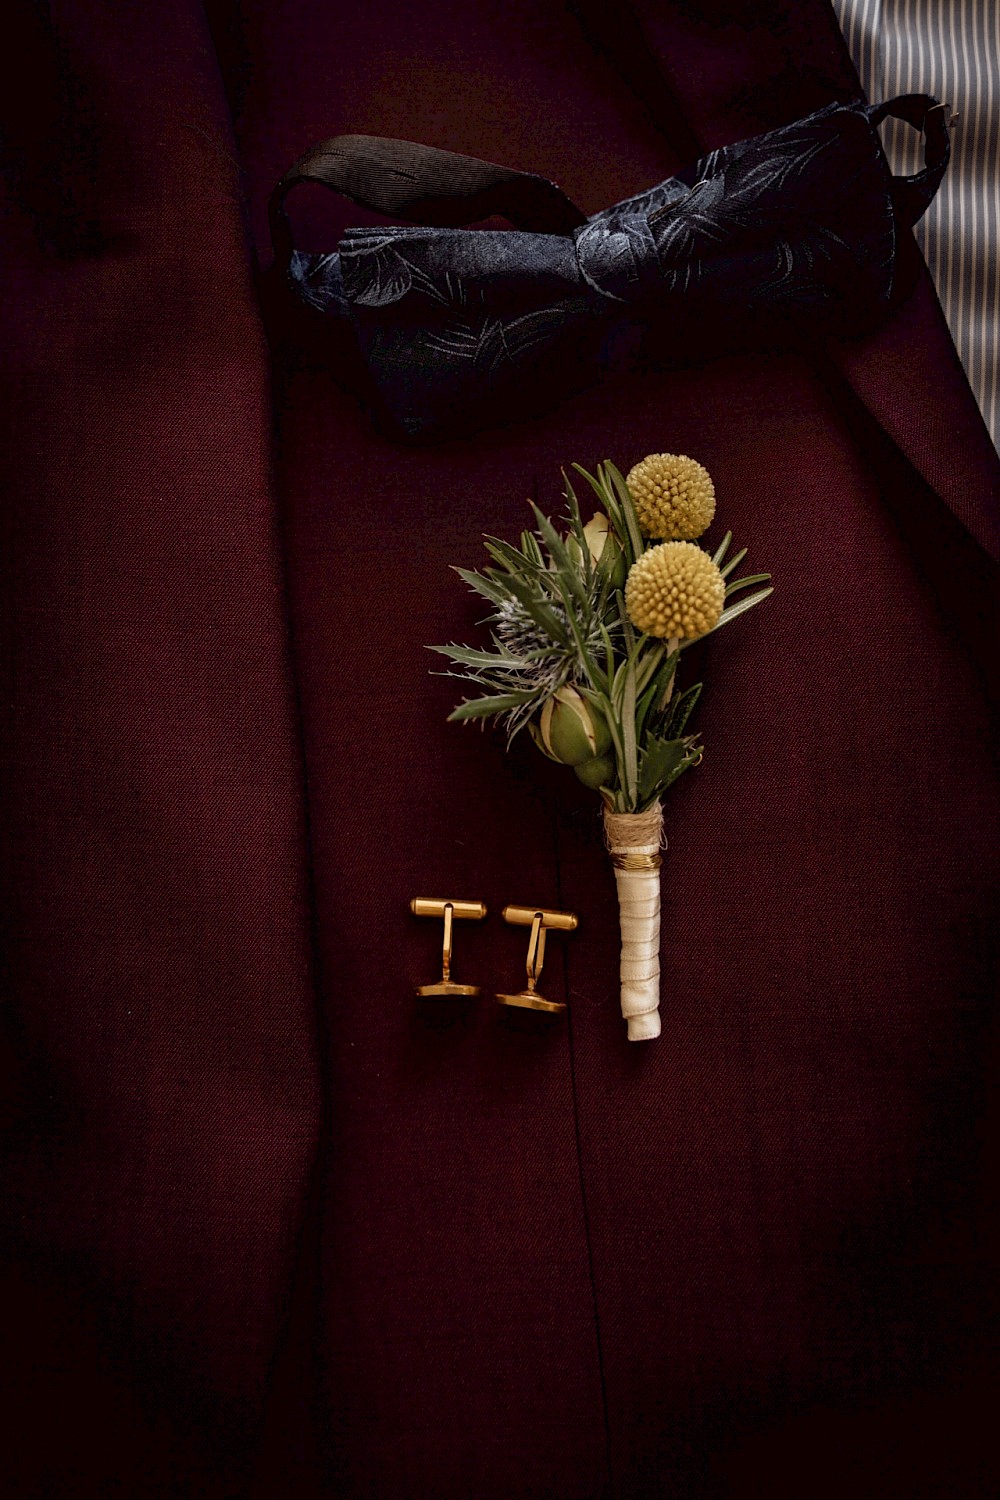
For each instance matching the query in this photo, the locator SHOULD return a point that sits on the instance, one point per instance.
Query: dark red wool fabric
(271, 1231)
(163, 1091)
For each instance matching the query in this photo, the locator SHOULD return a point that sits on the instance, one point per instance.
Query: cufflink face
(448, 911)
(541, 921)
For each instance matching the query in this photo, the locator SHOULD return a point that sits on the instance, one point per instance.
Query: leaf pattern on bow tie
(491, 341)
(646, 203)
(375, 273)
(769, 171)
(797, 222)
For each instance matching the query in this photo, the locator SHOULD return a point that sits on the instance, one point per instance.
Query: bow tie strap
(422, 184)
(911, 196)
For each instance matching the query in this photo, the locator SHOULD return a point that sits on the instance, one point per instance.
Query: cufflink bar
(471, 911)
(541, 922)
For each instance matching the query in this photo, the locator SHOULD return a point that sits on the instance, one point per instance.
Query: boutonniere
(588, 624)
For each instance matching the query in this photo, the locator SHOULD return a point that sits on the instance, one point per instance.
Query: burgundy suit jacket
(267, 1230)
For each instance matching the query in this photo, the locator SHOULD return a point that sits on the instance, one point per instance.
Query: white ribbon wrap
(634, 840)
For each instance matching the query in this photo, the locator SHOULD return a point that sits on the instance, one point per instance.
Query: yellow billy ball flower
(674, 496)
(675, 592)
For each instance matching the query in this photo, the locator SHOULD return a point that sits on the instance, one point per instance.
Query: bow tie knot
(617, 256)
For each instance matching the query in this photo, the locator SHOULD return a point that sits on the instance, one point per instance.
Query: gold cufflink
(474, 911)
(540, 921)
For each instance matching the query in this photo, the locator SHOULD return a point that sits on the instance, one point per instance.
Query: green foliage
(558, 619)
(662, 762)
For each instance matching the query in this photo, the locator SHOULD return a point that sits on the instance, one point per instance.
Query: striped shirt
(949, 48)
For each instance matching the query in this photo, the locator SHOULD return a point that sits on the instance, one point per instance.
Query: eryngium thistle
(519, 631)
(674, 496)
(530, 660)
(675, 592)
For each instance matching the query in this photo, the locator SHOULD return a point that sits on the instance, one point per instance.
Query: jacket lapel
(909, 376)
(735, 70)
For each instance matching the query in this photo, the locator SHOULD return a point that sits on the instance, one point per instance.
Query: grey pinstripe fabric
(949, 48)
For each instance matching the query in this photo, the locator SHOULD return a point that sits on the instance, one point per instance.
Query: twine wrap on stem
(634, 840)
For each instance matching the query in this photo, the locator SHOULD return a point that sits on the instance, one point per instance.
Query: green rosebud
(606, 549)
(570, 731)
(536, 735)
(596, 773)
(597, 531)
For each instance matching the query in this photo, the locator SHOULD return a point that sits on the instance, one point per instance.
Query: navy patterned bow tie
(792, 232)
